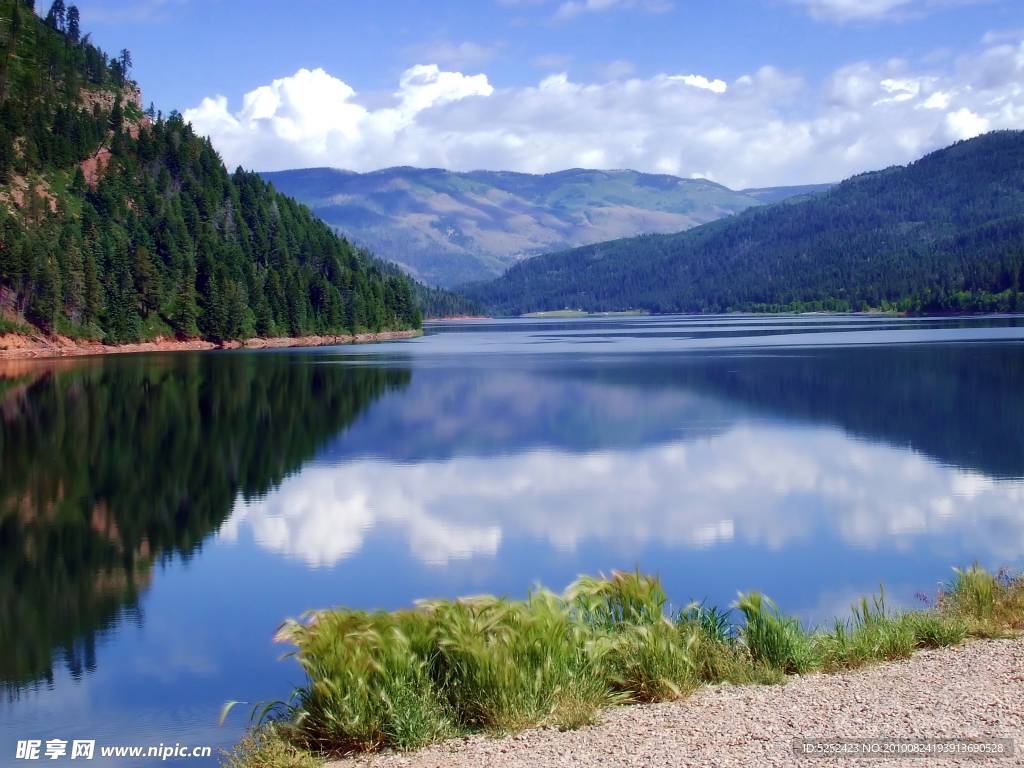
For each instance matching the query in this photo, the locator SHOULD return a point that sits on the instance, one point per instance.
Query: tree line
(945, 233)
(160, 239)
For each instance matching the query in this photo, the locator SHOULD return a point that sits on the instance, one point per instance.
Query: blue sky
(746, 92)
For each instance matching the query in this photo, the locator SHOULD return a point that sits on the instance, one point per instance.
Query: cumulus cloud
(767, 488)
(768, 127)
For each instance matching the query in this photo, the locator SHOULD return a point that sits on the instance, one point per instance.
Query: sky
(747, 93)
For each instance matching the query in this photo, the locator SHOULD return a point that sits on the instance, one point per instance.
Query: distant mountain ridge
(945, 233)
(769, 195)
(446, 228)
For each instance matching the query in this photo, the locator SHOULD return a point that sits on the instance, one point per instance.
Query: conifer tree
(57, 17)
(74, 20)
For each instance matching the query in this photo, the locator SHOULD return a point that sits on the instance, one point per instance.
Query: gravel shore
(16, 346)
(976, 690)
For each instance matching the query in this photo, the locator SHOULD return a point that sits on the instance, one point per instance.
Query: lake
(161, 515)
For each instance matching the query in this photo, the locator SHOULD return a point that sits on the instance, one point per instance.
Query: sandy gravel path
(971, 691)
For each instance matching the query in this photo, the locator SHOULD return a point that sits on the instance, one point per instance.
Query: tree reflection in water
(111, 465)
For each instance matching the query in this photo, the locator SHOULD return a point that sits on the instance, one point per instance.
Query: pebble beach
(971, 691)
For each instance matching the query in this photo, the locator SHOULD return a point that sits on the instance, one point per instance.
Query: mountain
(446, 228)
(769, 195)
(945, 233)
(120, 224)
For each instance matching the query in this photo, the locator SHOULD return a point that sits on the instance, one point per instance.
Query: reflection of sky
(773, 469)
(767, 486)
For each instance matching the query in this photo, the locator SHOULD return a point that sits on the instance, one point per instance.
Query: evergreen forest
(943, 234)
(119, 223)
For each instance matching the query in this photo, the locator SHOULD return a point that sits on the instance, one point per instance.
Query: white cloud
(698, 81)
(768, 489)
(762, 129)
(873, 10)
(848, 10)
(964, 124)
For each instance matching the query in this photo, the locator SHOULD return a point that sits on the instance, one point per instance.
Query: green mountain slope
(120, 224)
(944, 233)
(446, 228)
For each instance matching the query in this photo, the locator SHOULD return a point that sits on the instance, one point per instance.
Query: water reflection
(687, 451)
(953, 402)
(111, 466)
(766, 487)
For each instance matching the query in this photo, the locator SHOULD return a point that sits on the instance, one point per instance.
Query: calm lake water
(161, 515)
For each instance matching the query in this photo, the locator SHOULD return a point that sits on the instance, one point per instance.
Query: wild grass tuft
(772, 638)
(873, 634)
(989, 605)
(713, 623)
(413, 677)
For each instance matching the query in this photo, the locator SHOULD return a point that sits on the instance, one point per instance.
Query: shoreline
(15, 346)
(967, 691)
(565, 665)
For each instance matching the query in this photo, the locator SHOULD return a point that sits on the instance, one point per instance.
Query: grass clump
(264, 747)
(989, 605)
(772, 639)
(413, 677)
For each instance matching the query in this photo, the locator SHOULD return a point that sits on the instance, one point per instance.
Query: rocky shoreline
(973, 690)
(18, 346)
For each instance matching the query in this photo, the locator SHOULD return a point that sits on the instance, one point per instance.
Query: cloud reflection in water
(765, 485)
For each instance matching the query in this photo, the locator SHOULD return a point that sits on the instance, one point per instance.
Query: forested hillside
(945, 233)
(119, 224)
(447, 228)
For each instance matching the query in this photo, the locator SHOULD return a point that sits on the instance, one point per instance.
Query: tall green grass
(413, 677)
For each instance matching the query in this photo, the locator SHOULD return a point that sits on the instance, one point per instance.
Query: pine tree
(147, 282)
(46, 299)
(74, 19)
(74, 283)
(93, 291)
(57, 17)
